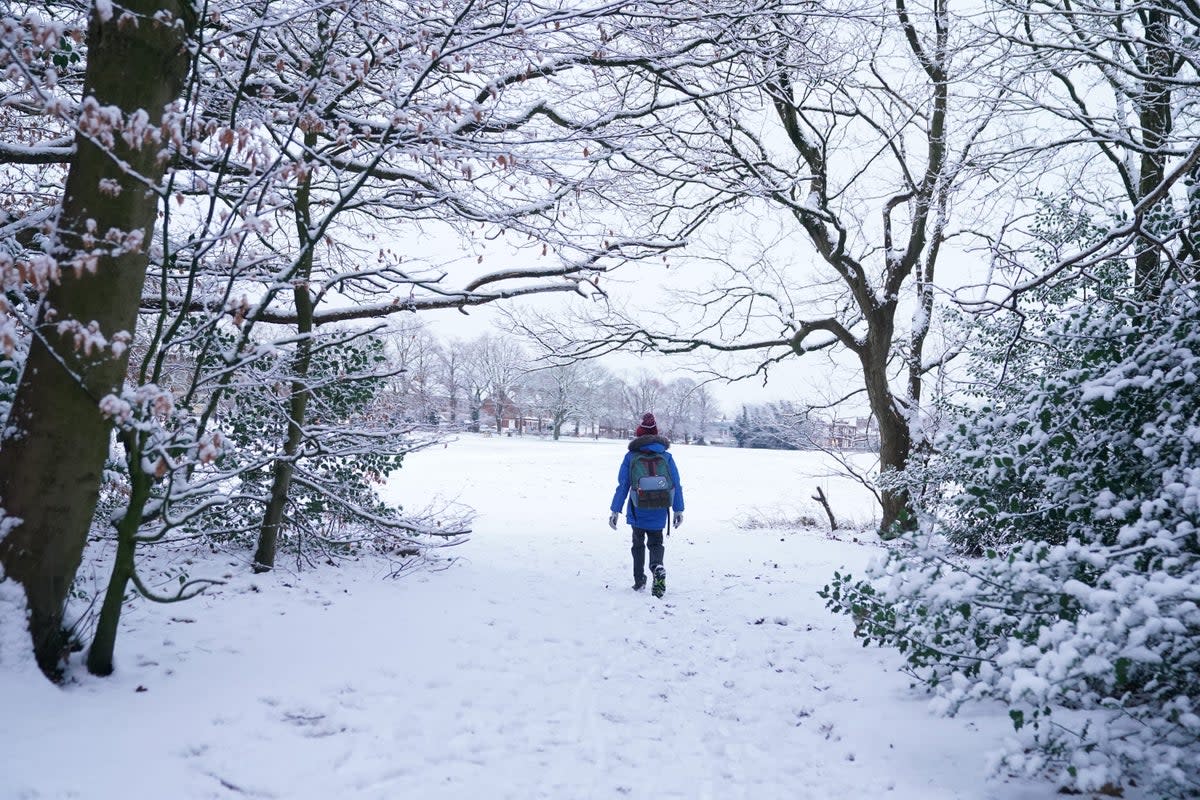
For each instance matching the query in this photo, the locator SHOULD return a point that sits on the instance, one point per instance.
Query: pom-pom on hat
(648, 426)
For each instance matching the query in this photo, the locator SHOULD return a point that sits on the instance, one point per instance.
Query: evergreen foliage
(344, 458)
(1081, 495)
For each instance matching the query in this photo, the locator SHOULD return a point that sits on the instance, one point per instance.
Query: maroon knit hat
(648, 426)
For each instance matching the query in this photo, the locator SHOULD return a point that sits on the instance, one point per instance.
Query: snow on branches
(1073, 595)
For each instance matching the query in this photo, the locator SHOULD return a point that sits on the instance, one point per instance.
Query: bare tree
(475, 380)
(610, 411)
(450, 368)
(839, 131)
(1120, 144)
(704, 409)
(418, 357)
(501, 364)
(679, 415)
(645, 393)
(565, 392)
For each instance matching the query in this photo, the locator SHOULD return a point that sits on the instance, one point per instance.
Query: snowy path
(528, 669)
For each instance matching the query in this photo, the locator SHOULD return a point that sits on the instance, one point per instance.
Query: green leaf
(1121, 667)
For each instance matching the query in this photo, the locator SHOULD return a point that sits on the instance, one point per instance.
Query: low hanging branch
(573, 275)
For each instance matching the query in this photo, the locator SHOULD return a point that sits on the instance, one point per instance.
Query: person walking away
(648, 486)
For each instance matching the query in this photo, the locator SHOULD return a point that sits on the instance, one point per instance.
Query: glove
(678, 519)
(612, 520)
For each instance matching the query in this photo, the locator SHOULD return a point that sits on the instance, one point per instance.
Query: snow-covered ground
(527, 668)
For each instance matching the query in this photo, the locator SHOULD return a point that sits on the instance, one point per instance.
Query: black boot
(660, 581)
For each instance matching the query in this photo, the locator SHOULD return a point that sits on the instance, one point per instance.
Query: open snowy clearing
(526, 668)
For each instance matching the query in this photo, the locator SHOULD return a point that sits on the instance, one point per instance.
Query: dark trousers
(642, 539)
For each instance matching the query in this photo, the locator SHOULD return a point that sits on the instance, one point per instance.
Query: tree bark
(895, 436)
(100, 654)
(1155, 122)
(285, 465)
(56, 439)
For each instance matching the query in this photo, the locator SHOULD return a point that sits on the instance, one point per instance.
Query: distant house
(720, 432)
(610, 430)
(841, 434)
(852, 434)
(503, 415)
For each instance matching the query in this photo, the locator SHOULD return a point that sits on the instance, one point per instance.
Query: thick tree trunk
(895, 442)
(895, 436)
(56, 439)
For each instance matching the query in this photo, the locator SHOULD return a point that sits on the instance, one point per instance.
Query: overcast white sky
(810, 379)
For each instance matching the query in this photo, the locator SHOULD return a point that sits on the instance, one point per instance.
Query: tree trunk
(894, 444)
(56, 439)
(285, 465)
(281, 478)
(895, 437)
(100, 655)
(1155, 122)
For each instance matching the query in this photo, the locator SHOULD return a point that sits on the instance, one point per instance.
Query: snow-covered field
(526, 668)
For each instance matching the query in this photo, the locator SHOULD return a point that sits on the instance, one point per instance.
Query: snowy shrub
(1076, 601)
(1035, 467)
(1025, 365)
(345, 459)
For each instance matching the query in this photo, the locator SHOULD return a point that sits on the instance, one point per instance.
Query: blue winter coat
(651, 519)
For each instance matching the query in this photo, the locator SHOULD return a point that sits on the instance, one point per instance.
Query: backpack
(650, 484)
